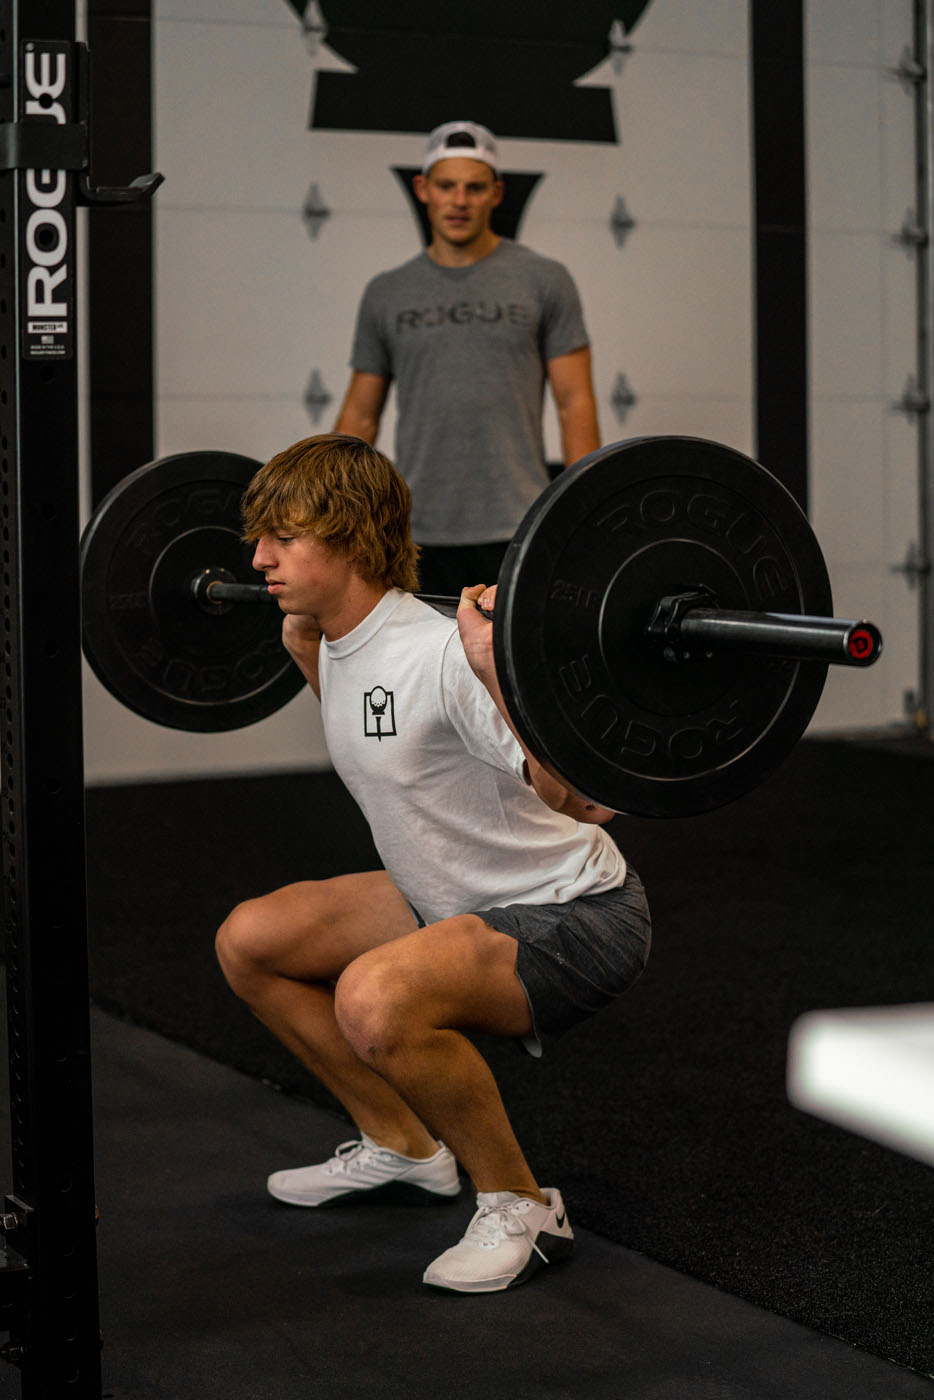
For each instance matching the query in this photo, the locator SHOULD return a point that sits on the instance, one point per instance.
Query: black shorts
(577, 957)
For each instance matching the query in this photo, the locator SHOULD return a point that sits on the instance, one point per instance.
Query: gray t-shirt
(467, 349)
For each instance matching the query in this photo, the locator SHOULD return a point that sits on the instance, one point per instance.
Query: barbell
(662, 628)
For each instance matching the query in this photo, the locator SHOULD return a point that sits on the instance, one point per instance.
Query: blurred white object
(870, 1070)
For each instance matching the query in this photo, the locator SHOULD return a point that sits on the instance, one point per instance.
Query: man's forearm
(361, 412)
(476, 636)
(356, 424)
(580, 432)
(571, 382)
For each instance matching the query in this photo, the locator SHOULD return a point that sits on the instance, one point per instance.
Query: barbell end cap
(863, 644)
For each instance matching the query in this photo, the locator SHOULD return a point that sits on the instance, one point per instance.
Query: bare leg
(282, 953)
(403, 1009)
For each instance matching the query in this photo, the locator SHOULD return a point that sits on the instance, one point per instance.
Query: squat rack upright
(48, 1260)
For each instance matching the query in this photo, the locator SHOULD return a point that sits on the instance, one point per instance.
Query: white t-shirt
(418, 742)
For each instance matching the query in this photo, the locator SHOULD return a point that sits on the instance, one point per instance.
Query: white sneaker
(363, 1165)
(507, 1240)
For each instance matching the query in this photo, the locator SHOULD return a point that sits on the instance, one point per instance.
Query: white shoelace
(494, 1223)
(348, 1156)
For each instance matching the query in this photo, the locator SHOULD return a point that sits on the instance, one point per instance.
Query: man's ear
(499, 189)
(418, 185)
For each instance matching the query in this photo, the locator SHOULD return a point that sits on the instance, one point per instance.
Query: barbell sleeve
(838, 641)
(218, 591)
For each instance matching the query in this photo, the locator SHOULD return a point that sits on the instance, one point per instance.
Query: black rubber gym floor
(211, 1291)
(730, 1248)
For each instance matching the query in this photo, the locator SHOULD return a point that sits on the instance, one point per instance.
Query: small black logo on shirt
(379, 713)
(463, 313)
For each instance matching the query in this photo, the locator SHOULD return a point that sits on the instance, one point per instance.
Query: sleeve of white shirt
(472, 712)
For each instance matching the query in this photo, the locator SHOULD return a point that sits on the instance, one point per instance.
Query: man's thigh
(311, 930)
(458, 973)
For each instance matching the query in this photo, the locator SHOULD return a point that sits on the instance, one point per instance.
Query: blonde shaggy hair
(346, 494)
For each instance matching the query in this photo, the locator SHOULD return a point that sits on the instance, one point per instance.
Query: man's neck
(356, 605)
(456, 255)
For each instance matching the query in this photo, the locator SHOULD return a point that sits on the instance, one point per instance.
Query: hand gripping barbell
(662, 627)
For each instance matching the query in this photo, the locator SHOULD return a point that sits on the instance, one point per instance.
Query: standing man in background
(470, 330)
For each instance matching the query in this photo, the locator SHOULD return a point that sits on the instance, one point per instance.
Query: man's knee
(259, 934)
(236, 943)
(373, 1008)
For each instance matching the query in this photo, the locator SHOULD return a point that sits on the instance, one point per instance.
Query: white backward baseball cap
(460, 139)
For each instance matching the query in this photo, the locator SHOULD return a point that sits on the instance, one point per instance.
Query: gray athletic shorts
(577, 957)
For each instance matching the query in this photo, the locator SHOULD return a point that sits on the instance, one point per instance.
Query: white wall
(864, 493)
(235, 314)
(248, 303)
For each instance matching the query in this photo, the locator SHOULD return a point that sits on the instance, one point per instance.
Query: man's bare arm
(363, 406)
(476, 633)
(572, 387)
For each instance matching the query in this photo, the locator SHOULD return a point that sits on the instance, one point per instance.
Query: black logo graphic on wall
(379, 713)
(523, 74)
(516, 69)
